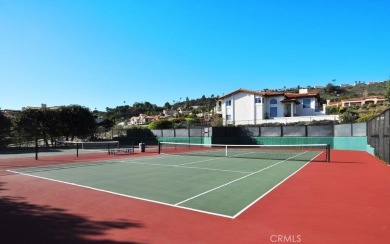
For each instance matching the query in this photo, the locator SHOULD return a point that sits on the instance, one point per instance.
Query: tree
(68, 121)
(348, 117)
(216, 120)
(5, 128)
(330, 88)
(365, 93)
(32, 123)
(52, 120)
(148, 106)
(167, 106)
(211, 104)
(26, 124)
(387, 92)
(83, 122)
(76, 121)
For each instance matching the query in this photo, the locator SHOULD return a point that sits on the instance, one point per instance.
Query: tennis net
(91, 145)
(303, 152)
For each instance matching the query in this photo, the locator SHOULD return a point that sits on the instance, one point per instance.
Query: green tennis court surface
(222, 186)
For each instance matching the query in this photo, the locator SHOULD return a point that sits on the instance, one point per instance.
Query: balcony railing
(281, 120)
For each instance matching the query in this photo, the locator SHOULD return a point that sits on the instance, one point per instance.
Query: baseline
(124, 195)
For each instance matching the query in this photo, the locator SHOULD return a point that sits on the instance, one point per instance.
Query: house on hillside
(257, 107)
(144, 119)
(358, 101)
(10, 113)
(43, 106)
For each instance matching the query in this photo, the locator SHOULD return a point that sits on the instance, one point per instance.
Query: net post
(36, 148)
(327, 152)
(108, 148)
(226, 151)
(159, 147)
(77, 149)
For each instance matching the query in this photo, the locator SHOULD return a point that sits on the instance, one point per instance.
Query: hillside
(337, 93)
(203, 104)
(354, 114)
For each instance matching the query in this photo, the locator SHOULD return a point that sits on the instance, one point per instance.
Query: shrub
(160, 124)
(332, 110)
(177, 120)
(365, 117)
(216, 120)
(272, 124)
(348, 117)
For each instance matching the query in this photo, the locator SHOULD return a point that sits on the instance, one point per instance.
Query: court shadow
(23, 222)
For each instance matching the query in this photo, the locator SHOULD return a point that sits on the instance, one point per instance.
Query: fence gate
(378, 135)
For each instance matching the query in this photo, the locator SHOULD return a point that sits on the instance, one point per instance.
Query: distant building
(358, 101)
(254, 107)
(144, 119)
(360, 83)
(43, 106)
(10, 113)
(168, 112)
(329, 103)
(363, 101)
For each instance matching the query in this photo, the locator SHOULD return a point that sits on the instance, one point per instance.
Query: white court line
(124, 195)
(201, 161)
(188, 167)
(267, 192)
(223, 157)
(218, 187)
(176, 205)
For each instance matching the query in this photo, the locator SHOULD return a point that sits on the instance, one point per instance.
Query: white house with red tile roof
(244, 106)
(144, 119)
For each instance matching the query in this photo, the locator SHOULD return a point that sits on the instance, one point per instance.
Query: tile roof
(297, 95)
(363, 98)
(253, 92)
(271, 93)
(290, 100)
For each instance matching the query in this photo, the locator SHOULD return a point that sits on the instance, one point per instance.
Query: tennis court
(201, 179)
(190, 194)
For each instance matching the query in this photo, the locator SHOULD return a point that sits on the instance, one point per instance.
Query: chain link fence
(378, 130)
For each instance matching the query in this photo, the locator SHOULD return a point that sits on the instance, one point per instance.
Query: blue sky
(103, 53)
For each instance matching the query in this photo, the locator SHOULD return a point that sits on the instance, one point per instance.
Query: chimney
(303, 91)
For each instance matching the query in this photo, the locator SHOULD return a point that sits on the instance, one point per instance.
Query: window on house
(257, 99)
(273, 112)
(228, 117)
(273, 101)
(306, 102)
(228, 102)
